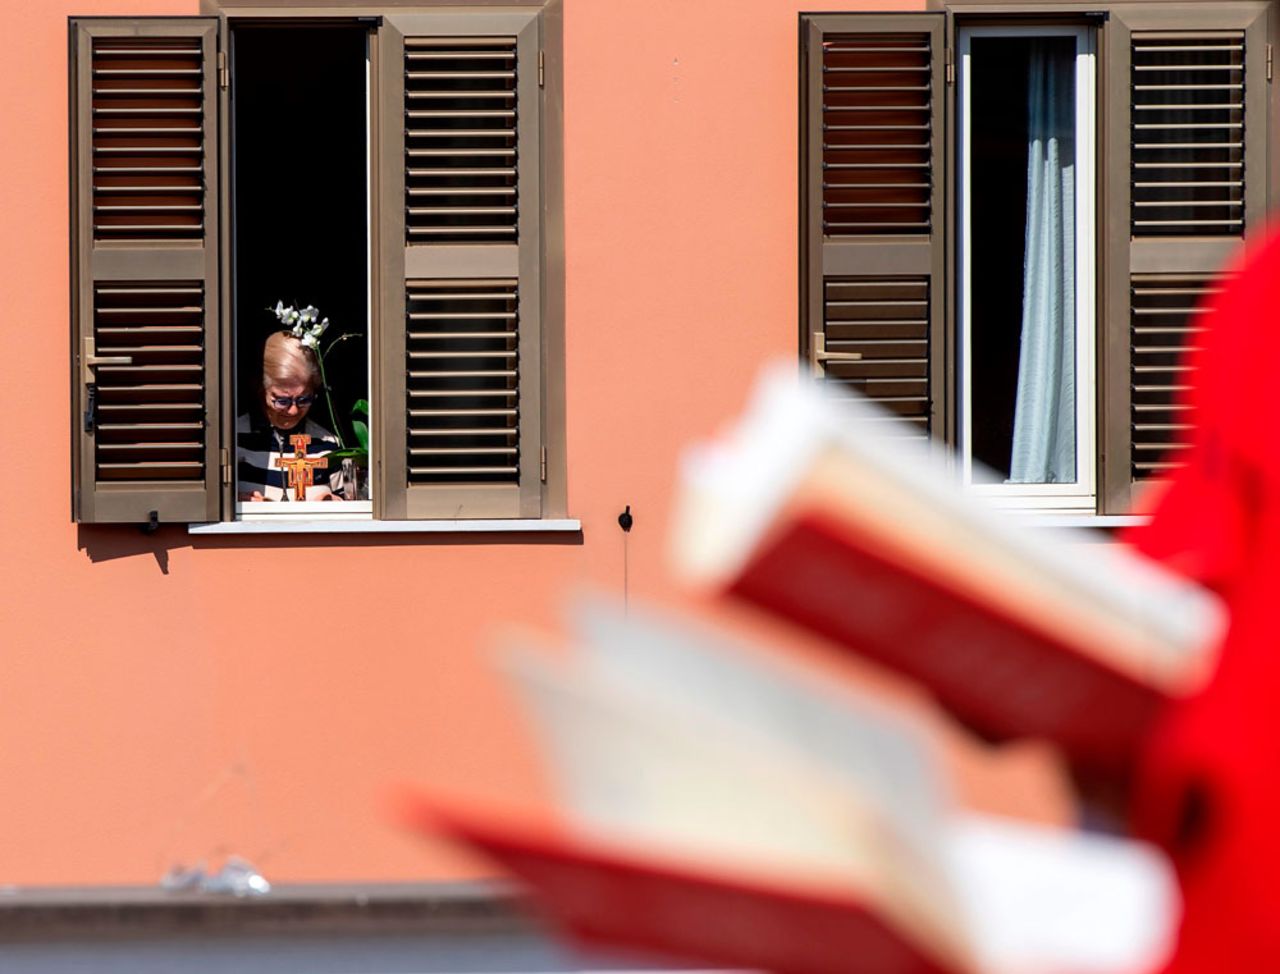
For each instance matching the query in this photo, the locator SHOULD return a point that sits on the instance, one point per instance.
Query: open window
(1032, 319)
(398, 170)
(1026, 122)
(300, 228)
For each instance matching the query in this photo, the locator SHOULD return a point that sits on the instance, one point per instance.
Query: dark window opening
(998, 224)
(299, 202)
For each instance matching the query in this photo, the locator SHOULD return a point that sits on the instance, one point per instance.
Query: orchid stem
(328, 398)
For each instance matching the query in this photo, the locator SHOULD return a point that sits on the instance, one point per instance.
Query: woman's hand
(255, 495)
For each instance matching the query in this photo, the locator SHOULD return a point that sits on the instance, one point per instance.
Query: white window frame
(1082, 495)
(331, 510)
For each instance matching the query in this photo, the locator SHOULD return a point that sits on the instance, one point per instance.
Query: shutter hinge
(542, 465)
(1269, 61)
(542, 69)
(226, 465)
(224, 75)
(950, 67)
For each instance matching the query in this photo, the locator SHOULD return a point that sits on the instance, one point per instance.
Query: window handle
(90, 360)
(819, 356)
(91, 408)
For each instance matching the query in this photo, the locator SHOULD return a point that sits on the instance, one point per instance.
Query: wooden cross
(301, 467)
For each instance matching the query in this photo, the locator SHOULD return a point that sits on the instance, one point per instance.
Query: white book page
(1040, 900)
(636, 773)
(877, 752)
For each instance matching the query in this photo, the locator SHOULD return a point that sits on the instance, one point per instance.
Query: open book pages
(874, 748)
(1040, 900)
(706, 758)
(682, 790)
(797, 452)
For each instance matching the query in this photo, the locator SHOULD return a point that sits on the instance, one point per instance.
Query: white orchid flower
(303, 324)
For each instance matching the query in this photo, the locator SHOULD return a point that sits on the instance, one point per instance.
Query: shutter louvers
(145, 270)
(876, 333)
(464, 291)
(148, 138)
(1188, 133)
(463, 382)
(1189, 109)
(150, 389)
(461, 151)
(872, 223)
(1163, 331)
(876, 153)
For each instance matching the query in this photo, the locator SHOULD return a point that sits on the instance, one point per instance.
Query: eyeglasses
(284, 402)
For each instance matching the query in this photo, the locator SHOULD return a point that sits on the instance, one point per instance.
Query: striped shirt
(259, 445)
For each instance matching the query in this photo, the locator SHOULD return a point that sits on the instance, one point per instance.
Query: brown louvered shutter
(1187, 133)
(461, 345)
(872, 220)
(144, 287)
(1188, 119)
(1163, 330)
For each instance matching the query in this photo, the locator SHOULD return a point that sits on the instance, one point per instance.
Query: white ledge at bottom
(340, 526)
(1088, 520)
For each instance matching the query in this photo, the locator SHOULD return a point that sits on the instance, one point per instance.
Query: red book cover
(600, 894)
(1002, 674)
(810, 510)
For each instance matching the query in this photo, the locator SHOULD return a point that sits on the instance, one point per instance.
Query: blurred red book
(718, 804)
(619, 897)
(817, 512)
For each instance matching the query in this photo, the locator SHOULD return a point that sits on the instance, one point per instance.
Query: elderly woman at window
(290, 385)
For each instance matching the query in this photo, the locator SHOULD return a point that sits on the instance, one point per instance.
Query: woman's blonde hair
(285, 360)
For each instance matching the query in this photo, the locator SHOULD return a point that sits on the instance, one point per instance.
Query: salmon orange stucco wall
(155, 705)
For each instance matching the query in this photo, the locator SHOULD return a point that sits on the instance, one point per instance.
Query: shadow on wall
(107, 542)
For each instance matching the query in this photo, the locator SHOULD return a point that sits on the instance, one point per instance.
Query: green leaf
(361, 457)
(362, 434)
(360, 408)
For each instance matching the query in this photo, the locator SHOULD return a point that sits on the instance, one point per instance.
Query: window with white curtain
(1011, 212)
(1027, 119)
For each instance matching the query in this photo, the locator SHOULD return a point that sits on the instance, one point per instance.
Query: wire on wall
(625, 520)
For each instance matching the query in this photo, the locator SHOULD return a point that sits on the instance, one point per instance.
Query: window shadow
(108, 542)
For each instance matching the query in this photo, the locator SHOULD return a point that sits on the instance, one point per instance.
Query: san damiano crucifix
(302, 468)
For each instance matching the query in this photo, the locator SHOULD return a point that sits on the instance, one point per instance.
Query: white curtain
(1044, 433)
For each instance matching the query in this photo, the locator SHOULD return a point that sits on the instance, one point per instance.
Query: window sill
(338, 526)
(61, 914)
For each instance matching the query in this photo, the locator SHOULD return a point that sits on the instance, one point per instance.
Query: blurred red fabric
(1208, 786)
